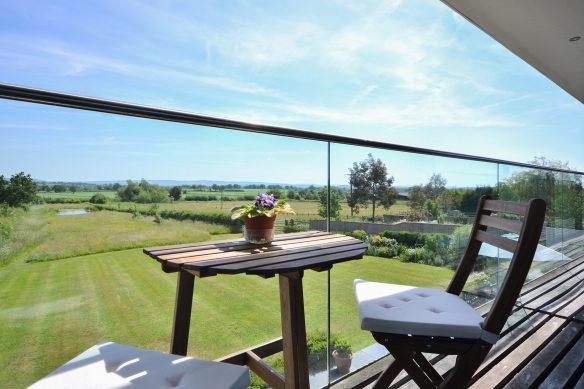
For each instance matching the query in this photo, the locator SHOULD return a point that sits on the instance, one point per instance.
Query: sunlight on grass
(51, 311)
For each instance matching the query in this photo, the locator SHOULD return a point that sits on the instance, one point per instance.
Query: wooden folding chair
(409, 320)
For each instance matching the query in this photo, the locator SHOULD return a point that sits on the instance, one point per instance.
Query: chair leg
(466, 365)
(428, 369)
(417, 373)
(388, 375)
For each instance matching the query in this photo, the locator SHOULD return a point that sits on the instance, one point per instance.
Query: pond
(72, 212)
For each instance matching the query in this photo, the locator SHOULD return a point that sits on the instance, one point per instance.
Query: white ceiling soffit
(541, 32)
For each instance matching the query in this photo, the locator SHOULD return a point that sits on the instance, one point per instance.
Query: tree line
(18, 191)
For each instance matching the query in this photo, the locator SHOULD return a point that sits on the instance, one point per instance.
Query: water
(72, 212)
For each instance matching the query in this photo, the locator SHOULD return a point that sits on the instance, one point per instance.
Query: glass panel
(72, 272)
(521, 184)
(571, 219)
(417, 240)
(71, 279)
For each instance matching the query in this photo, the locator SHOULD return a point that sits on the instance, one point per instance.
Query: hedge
(213, 217)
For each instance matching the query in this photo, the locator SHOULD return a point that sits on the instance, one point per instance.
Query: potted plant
(343, 355)
(259, 217)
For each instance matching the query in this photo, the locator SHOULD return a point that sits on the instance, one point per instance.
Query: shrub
(413, 239)
(294, 228)
(62, 200)
(245, 198)
(98, 198)
(317, 350)
(385, 252)
(382, 247)
(213, 217)
(417, 255)
(200, 198)
(342, 347)
(410, 239)
(417, 214)
(358, 234)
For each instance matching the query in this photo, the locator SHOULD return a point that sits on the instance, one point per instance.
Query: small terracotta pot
(343, 364)
(259, 229)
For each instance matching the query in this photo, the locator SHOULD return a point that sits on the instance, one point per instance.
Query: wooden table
(288, 256)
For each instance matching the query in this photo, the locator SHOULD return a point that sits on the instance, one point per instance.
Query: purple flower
(265, 202)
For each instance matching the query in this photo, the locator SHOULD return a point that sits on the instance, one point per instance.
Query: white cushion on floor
(111, 365)
(401, 309)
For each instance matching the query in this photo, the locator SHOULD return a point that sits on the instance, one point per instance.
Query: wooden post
(293, 331)
(182, 313)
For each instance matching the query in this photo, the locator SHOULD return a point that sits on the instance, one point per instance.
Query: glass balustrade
(73, 274)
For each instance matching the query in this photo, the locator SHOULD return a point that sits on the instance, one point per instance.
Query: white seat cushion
(111, 365)
(408, 310)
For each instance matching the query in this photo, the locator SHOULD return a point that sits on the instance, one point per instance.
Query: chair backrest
(526, 225)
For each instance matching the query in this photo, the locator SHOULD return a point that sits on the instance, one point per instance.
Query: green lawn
(53, 310)
(50, 311)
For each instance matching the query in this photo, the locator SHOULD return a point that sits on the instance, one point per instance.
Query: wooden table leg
(293, 331)
(182, 313)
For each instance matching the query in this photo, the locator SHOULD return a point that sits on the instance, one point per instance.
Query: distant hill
(169, 183)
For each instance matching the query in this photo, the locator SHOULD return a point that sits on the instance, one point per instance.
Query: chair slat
(505, 206)
(500, 223)
(497, 241)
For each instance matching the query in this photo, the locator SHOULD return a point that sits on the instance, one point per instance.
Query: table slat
(240, 267)
(288, 252)
(179, 248)
(205, 264)
(249, 249)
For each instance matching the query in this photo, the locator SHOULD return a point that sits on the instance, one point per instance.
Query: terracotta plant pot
(343, 363)
(259, 229)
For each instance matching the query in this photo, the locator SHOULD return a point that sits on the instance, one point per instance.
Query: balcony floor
(542, 344)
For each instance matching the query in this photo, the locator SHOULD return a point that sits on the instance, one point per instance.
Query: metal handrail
(40, 96)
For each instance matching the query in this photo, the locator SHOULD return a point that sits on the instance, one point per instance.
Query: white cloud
(74, 62)
(364, 93)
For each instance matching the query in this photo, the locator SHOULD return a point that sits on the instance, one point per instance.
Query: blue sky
(406, 72)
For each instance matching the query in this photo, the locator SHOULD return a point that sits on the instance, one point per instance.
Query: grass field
(304, 209)
(108, 231)
(50, 311)
(77, 195)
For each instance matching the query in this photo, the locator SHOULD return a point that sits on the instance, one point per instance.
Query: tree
(334, 207)
(370, 184)
(176, 192)
(128, 192)
(278, 193)
(98, 198)
(292, 194)
(59, 188)
(19, 191)
(144, 192)
(436, 186)
(562, 192)
(470, 197)
(417, 197)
